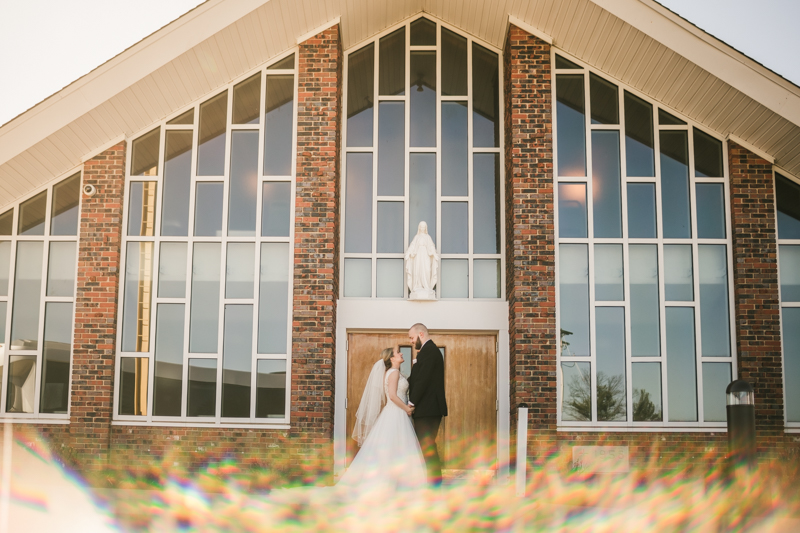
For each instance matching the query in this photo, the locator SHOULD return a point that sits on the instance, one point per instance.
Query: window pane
(639, 136)
(61, 269)
(791, 361)
(208, 209)
(716, 378)
(678, 278)
(789, 270)
(390, 227)
(571, 125)
(358, 203)
(133, 376)
(707, 155)
(211, 144)
(646, 379)
(572, 210)
(455, 278)
(611, 396)
(710, 211)
(681, 367)
(66, 200)
(273, 298)
(237, 358)
(246, 96)
(573, 290)
(665, 119)
(565, 63)
(455, 228)
(576, 397)
(32, 214)
(358, 277)
(3, 315)
(168, 360)
(714, 308)
(243, 184)
(423, 99)
(391, 148)
(5, 267)
(675, 185)
(487, 278)
(641, 210)
(172, 270)
(360, 96)
(392, 70)
(205, 298)
(202, 387)
(271, 389)
(608, 277)
(240, 273)
(607, 203)
(423, 32)
(486, 203)
(422, 194)
(144, 158)
(454, 63)
(136, 300)
(27, 296)
(177, 184)
(21, 384)
(286, 63)
(183, 118)
(604, 97)
(390, 278)
(278, 126)
(6, 222)
(276, 209)
(485, 98)
(455, 149)
(142, 209)
(645, 339)
(787, 194)
(55, 357)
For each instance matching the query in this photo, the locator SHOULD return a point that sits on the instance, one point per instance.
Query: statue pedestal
(422, 294)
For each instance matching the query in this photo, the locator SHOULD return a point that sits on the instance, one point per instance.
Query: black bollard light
(741, 424)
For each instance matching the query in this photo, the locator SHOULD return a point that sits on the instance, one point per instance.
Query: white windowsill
(42, 421)
(198, 425)
(649, 429)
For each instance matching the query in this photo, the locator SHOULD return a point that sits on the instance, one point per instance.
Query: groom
(426, 392)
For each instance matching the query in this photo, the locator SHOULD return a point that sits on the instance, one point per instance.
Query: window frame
(659, 241)
(472, 150)
(46, 238)
(224, 240)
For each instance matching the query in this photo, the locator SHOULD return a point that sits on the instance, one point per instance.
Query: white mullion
(424, 47)
(407, 153)
(470, 172)
(374, 199)
(342, 176)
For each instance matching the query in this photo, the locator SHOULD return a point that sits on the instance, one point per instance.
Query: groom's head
(418, 334)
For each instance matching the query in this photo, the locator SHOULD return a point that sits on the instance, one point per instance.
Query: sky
(47, 44)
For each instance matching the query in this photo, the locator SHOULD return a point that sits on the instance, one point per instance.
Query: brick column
(755, 274)
(530, 245)
(316, 240)
(96, 308)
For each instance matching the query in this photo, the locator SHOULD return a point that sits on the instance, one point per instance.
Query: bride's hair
(386, 355)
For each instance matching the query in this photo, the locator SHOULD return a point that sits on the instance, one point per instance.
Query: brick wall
(530, 247)
(96, 307)
(316, 238)
(755, 276)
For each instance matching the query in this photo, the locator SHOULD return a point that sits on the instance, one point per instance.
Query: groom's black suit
(426, 392)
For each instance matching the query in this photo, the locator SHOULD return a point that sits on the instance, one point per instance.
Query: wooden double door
(468, 435)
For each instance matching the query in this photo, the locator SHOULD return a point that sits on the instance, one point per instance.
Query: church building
(204, 241)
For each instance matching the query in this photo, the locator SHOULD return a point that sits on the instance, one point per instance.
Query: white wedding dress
(390, 458)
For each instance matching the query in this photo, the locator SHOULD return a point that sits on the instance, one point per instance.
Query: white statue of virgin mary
(422, 265)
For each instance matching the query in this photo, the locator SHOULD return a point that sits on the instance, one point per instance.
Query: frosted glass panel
(645, 337)
(172, 270)
(276, 209)
(678, 278)
(714, 306)
(789, 269)
(608, 272)
(574, 298)
(454, 278)
(240, 272)
(237, 358)
(681, 365)
(390, 278)
(61, 269)
(273, 298)
(137, 297)
(486, 273)
(358, 277)
(205, 298)
(5, 267)
(167, 382)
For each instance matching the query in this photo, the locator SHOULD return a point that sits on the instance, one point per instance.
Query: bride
(390, 458)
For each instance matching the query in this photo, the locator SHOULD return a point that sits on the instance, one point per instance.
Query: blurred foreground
(38, 494)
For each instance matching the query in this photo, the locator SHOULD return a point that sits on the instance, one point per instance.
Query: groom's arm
(422, 378)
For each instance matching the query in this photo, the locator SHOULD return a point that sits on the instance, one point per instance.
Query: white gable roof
(638, 42)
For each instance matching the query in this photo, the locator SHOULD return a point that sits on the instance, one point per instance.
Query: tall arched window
(422, 143)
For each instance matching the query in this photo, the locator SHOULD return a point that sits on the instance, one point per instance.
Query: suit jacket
(426, 383)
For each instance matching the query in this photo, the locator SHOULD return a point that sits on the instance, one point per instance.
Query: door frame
(463, 317)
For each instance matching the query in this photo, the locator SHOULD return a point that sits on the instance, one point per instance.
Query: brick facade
(530, 240)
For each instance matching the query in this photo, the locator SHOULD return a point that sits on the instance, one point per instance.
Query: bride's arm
(394, 377)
